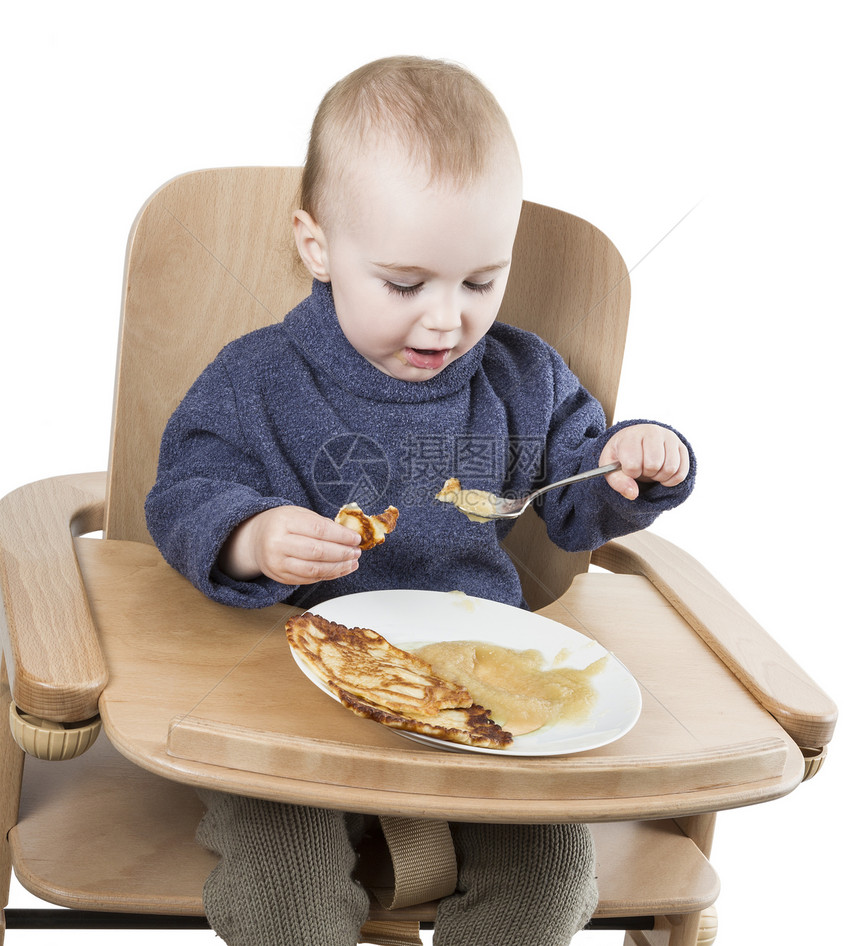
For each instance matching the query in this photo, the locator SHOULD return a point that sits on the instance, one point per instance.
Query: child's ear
(311, 244)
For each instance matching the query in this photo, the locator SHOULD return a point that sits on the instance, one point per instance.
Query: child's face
(418, 271)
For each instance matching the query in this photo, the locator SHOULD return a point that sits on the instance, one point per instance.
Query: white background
(736, 119)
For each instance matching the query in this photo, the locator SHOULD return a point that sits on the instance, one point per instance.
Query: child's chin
(413, 374)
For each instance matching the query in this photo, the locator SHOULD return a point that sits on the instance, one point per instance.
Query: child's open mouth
(427, 358)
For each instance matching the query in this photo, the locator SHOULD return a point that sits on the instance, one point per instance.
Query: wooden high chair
(100, 631)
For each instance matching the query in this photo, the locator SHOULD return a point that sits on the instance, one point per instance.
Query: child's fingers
(676, 467)
(306, 524)
(307, 559)
(643, 452)
(298, 571)
(300, 560)
(623, 483)
(312, 550)
(653, 458)
(647, 454)
(299, 546)
(628, 449)
(620, 480)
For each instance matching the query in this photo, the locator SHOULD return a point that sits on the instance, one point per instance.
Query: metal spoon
(482, 506)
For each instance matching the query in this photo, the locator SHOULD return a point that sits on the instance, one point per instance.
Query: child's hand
(648, 453)
(292, 545)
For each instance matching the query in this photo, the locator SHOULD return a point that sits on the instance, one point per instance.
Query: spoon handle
(587, 475)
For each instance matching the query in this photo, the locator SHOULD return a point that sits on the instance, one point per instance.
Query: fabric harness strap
(420, 866)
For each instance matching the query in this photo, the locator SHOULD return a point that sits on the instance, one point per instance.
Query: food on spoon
(476, 504)
(372, 529)
(379, 681)
(450, 491)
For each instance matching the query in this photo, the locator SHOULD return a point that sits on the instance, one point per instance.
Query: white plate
(411, 618)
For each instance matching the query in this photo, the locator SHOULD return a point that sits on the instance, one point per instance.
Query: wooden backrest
(210, 257)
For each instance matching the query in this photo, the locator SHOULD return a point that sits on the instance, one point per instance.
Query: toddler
(391, 376)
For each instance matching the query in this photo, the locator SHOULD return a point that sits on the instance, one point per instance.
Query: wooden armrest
(51, 648)
(782, 687)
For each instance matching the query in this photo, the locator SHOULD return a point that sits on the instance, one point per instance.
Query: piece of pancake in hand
(379, 681)
(372, 529)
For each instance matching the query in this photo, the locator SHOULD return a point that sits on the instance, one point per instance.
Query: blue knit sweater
(292, 414)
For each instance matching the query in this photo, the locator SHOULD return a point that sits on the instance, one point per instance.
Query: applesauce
(521, 692)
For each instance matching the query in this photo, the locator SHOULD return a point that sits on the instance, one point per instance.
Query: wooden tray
(210, 695)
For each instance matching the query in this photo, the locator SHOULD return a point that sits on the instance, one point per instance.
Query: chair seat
(138, 831)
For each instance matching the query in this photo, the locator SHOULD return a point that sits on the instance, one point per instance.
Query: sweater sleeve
(208, 482)
(586, 515)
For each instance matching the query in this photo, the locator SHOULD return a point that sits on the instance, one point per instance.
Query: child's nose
(443, 315)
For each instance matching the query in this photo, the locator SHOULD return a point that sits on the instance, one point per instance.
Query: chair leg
(11, 771)
(707, 927)
(695, 929)
(700, 830)
(689, 929)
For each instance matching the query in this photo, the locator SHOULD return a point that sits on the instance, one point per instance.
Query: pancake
(469, 726)
(372, 529)
(365, 664)
(391, 686)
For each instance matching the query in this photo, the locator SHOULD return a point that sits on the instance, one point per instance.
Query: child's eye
(398, 290)
(480, 287)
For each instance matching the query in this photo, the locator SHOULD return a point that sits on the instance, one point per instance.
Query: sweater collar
(316, 330)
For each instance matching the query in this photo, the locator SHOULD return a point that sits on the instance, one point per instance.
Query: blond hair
(442, 116)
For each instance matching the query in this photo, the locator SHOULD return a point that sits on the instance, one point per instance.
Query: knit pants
(285, 879)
